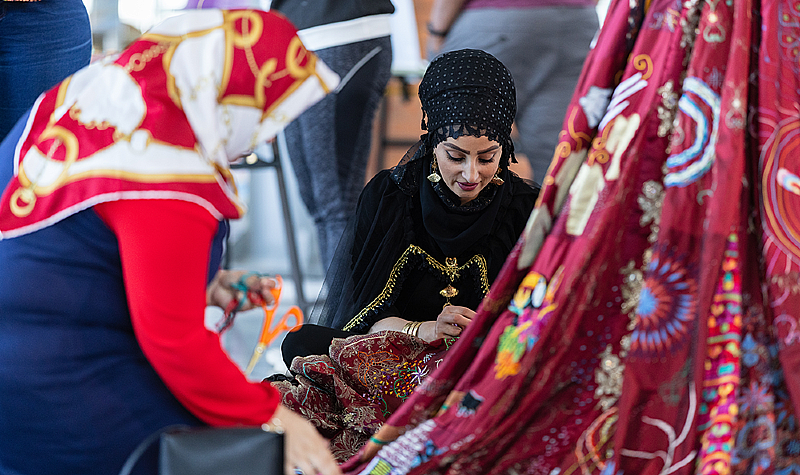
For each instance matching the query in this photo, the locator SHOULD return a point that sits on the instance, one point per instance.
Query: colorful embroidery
(517, 339)
(668, 107)
(700, 104)
(666, 307)
(510, 350)
(469, 404)
(718, 410)
(767, 433)
(608, 378)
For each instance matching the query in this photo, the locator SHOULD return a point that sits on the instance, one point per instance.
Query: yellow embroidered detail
(452, 271)
(644, 64)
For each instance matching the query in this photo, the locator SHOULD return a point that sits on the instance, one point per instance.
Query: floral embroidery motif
(666, 111)
(631, 288)
(666, 307)
(650, 201)
(714, 32)
(608, 378)
(767, 430)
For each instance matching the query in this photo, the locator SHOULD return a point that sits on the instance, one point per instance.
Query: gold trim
(143, 178)
(27, 196)
(248, 37)
(172, 88)
(452, 272)
(63, 137)
(61, 96)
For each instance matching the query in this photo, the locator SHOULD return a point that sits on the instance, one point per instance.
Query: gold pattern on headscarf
(450, 270)
(29, 190)
(248, 38)
(138, 61)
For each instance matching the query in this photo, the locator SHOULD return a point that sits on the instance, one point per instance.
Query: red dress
(647, 321)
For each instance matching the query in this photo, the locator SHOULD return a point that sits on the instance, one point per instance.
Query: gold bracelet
(412, 328)
(415, 330)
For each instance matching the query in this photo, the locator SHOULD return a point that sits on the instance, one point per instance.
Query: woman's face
(467, 164)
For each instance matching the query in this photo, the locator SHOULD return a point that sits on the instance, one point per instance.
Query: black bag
(213, 451)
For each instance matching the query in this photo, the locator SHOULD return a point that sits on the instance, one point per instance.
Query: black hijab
(464, 92)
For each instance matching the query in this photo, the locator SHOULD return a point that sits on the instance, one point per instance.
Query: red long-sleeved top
(164, 246)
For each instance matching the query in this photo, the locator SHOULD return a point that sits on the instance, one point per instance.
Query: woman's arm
(443, 15)
(164, 247)
(450, 323)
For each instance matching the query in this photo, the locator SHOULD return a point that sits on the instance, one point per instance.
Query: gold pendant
(448, 292)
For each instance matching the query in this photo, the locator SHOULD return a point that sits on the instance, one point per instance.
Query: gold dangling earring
(496, 178)
(434, 177)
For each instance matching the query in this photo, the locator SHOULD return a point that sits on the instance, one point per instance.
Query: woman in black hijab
(428, 237)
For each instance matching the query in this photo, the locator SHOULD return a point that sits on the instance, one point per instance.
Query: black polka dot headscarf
(468, 92)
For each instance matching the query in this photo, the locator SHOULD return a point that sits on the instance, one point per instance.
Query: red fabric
(350, 394)
(648, 323)
(164, 247)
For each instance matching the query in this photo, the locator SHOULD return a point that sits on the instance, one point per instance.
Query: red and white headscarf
(164, 119)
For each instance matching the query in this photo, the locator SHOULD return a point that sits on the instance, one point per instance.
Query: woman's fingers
(306, 449)
(453, 320)
(264, 285)
(235, 284)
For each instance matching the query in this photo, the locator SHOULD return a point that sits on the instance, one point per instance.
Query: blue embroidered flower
(750, 356)
(792, 448)
(755, 398)
(666, 310)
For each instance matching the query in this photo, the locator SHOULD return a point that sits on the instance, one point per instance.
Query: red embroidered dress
(647, 321)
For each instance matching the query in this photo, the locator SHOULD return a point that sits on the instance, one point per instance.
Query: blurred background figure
(41, 43)
(543, 42)
(329, 144)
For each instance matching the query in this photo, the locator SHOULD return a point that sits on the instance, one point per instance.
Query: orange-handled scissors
(268, 332)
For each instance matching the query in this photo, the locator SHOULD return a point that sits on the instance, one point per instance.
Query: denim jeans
(41, 43)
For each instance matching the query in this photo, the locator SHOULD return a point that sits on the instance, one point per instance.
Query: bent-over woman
(117, 193)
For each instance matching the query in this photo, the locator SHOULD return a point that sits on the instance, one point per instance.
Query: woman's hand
(221, 291)
(450, 323)
(305, 449)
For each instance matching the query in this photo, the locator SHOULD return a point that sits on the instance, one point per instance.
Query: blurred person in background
(543, 42)
(329, 144)
(41, 43)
